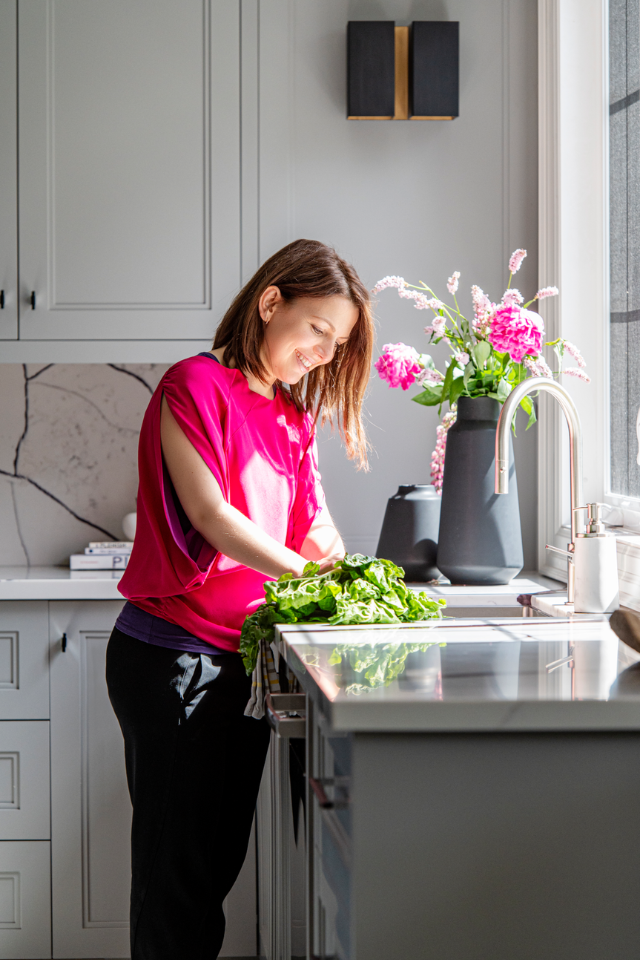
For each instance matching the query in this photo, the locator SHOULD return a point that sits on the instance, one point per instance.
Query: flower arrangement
(497, 350)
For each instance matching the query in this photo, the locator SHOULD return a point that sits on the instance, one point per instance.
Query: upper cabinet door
(8, 183)
(128, 167)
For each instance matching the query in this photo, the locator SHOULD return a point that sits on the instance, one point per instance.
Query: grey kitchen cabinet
(90, 808)
(8, 165)
(128, 171)
(25, 830)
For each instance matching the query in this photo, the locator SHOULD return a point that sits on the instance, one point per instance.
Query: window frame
(573, 120)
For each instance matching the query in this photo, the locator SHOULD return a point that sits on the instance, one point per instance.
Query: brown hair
(332, 391)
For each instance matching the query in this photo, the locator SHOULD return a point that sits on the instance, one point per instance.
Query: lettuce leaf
(359, 589)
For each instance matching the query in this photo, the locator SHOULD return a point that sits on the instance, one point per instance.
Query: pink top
(263, 454)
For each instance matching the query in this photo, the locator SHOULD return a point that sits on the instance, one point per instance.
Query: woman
(229, 495)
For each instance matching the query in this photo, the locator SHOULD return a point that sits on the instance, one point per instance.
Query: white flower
(452, 283)
(398, 282)
(546, 292)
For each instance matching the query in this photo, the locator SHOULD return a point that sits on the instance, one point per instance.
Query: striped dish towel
(264, 679)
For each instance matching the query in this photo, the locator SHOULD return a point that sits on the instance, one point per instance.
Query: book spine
(80, 561)
(122, 545)
(107, 551)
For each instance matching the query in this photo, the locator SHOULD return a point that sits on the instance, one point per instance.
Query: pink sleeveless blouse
(263, 454)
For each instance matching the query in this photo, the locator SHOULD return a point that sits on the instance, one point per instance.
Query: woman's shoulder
(198, 375)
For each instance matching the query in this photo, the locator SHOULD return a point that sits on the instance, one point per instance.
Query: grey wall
(418, 199)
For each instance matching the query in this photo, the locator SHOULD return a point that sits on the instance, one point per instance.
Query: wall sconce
(401, 73)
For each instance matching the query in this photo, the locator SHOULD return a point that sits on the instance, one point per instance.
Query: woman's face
(303, 334)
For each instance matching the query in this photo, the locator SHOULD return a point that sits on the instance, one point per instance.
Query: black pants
(194, 764)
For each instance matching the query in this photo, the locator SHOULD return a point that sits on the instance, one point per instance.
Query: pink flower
(428, 331)
(483, 309)
(516, 331)
(513, 297)
(538, 366)
(546, 292)
(577, 372)
(398, 365)
(422, 301)
(398, 282)
(462, 358)
(437, 457)
(573, 351)
(452, 283)
(439, 326)
(515, 261)
(429, 375)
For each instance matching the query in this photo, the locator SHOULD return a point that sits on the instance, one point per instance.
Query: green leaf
(469, 371)
(430, 397)
(310, 569)
(481, 352)
(504, 389)
(448, 380)
(527, 405)
(456, 389)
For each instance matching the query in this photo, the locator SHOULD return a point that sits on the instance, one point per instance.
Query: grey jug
(479, 541)
(409, 535)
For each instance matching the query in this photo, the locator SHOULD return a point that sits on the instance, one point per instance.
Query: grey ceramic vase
(409, 535)
(479, 541)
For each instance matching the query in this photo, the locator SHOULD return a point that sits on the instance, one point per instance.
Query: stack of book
(102, 555)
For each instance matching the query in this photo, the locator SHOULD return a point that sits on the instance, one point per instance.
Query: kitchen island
(474, 789)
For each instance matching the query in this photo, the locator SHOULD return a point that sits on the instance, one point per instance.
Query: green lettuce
(358, 590)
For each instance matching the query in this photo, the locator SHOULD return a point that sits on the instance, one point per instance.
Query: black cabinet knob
(1, 299)
(32, 299)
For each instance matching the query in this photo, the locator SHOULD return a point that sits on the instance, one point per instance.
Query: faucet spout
(568, 407)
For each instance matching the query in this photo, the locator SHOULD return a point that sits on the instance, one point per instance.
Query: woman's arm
(224, 527)
(323, 542)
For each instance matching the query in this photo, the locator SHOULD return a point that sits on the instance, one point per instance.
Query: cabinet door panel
(24, 779)
(24, 660)
(25, 899)
(129, 167)
(91, 812)
(8, 165)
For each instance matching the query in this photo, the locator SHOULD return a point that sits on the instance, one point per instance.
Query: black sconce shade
(434, 70)
(371, 69)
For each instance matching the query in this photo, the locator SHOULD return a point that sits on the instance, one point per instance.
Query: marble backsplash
(68, 452)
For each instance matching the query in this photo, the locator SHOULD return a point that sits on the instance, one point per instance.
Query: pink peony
(516, 331)
(515, 261)
(398, 365)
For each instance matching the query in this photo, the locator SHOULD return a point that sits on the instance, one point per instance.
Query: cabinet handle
(1, 299)
(63, 643)
(32, 299)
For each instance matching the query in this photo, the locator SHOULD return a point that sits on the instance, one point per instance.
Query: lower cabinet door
(25, 899)
(90, 807)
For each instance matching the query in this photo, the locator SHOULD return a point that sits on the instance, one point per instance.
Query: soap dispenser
(596, 566)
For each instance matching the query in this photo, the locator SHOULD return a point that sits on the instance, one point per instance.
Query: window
(624, 233)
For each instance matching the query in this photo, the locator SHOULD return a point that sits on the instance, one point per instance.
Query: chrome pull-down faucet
(568, 407)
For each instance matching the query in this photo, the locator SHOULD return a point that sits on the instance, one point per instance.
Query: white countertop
(58, 583)
(496, 675)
